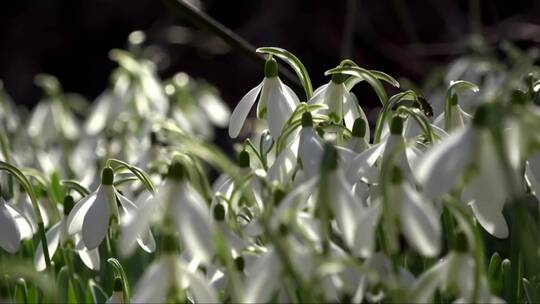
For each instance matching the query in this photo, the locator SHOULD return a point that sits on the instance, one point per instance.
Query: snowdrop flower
(57, 236)
(117, 296)
(52, 109)
(340, 103)
(179, 203)
(310, 148)
(458, 117)
(276, 102)
(91, 216)
(395, 143)
(443, 164)
(418, 218)
(14, 226)
(355, 221)
(454, 272)
(167, 275)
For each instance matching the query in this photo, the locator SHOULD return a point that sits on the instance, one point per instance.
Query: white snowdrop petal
(283, 167)
(194, 223)
(100, 112)
(487, 193)
(90, 258)
(362, 166)
(420, 223)
(74, 221)
(135, 225)
(310, 151)
(24, 226)
(10, 238)
(241, 111)
(347, 208)
(364, 240)
(279, 110)
(262, 279)
(441, 165)
(96, 221)
(152, 287)
(200, 289)
(53, 239)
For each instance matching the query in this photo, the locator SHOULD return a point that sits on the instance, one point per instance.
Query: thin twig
(205, 22)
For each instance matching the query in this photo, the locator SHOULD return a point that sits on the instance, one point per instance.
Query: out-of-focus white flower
(169, 273)
(310, 148)
(176, 201)
(14, 226)
(419, 220)
(439, 169)
(276, 102)
(456, 271)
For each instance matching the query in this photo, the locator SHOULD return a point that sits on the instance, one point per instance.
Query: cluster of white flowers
(321, 205)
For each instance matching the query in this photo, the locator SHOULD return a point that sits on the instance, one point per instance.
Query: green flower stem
(14, 171)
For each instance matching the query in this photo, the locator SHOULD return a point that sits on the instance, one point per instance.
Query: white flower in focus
(57, 236)
(340, 103)
(276, 102)
(91, 216)
(117, 296)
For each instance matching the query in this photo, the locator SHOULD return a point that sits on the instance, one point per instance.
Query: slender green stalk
(234, 40)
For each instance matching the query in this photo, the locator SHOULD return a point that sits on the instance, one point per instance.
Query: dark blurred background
(71, 38)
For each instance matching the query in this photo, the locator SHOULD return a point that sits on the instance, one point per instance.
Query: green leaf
(119, 272)
(56, 188)
(294, 63)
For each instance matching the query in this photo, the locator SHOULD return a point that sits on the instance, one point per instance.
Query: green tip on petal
(219, 213)
(107, 176)
(396, 126)
(270, 68)
(307, 120)
(462, 244)
(69, 202)
(330, 158)
(359, 128)
(169, 243)
(338, 78)
(243, 159)
(397, 175)
(118, 286)
(239, 263)
(176, 171)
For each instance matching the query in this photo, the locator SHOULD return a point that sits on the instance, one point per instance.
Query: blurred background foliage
(71, 39)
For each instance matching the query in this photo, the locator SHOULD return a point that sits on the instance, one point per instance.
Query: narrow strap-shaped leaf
(295, 64)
